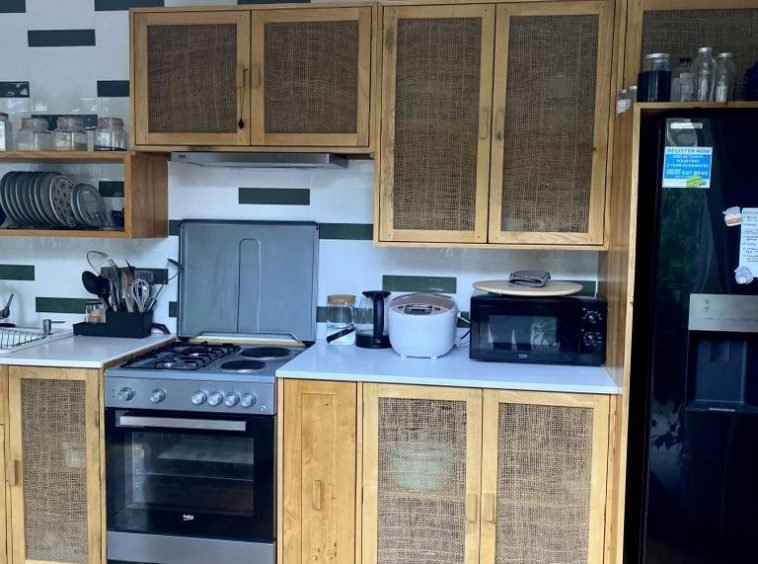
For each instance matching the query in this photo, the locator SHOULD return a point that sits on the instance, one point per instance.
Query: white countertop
(82, 352)
(350, 363)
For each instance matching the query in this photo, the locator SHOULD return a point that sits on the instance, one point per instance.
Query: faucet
(47, 326)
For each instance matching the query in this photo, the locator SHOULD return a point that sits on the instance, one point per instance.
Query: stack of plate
(49, 199)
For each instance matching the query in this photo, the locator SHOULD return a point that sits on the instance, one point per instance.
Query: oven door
(190, 475)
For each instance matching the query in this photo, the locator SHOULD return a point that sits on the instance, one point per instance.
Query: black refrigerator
(692, 474)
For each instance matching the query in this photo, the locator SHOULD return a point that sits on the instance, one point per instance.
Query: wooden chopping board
(552, 288)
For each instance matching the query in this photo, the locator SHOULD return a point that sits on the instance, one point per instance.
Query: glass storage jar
(703, 71)
(34, 135)
(70, 135)
(6, 136)
(340, 328)
(110, 134)
(654, 82)
(726, 78)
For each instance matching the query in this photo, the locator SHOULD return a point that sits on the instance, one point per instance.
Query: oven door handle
(182, 423)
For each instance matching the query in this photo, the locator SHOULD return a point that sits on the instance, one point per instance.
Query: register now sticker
(687, 167)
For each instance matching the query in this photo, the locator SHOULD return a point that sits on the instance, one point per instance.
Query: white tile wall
(64, 80)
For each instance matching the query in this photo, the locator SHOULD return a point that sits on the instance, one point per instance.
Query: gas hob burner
(182, 356)
(244, 366)
(266, 353)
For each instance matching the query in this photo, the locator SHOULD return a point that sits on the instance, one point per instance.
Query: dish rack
(15, 339)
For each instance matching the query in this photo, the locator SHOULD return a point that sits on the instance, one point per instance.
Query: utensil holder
(118, 324)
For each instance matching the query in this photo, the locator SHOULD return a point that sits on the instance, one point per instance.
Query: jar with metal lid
(110, 134)
(6, 136)
(34, 135)
(654, 82)
(340, 328)
(70, 135)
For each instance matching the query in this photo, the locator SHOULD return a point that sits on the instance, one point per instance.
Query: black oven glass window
(523, 333)
(208, 482)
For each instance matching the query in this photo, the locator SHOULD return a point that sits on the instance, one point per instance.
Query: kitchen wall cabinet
(288, 78)
(318, 480)
(495, 120)
(53, 465)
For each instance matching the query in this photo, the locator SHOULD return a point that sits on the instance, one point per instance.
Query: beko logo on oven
(186, 517)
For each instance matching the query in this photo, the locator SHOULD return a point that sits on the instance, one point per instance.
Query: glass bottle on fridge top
(704, 71)
(726, 78)
(682, 85)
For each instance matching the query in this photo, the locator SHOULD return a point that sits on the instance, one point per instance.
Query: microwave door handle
(182, 423)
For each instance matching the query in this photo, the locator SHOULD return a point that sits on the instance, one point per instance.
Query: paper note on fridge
(749, 239)
(687, 167)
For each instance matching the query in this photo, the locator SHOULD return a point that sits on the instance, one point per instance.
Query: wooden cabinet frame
(600, 414)
(363, 15)
(594, 234)
(140, 102)
(371, 395)
(392, 14)
(15, 459)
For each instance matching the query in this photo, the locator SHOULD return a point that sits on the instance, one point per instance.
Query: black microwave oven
(559, 330)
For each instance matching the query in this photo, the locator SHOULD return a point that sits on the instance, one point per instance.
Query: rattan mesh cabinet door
(679, 27)
(311, 77)
(551, 99)
(54, 452)
(319, 481)
(191, 78)
(435, 138)
(3, 543)
(421, 475)
(544, 477)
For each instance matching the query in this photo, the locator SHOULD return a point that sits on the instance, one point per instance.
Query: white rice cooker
(422, 325)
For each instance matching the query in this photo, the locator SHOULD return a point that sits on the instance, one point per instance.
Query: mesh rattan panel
(55, 470)
(544, 468)
(192, 78)
(311, 77)
(681, 32)
(549, 123)
(436, 123)
(422, 481)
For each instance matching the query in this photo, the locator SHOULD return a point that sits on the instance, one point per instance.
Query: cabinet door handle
(317, 495)
(256, 77)
(472, 508)
(241, 82)
(14, 471)
(484, 123)
(490, 508)
(500, 124)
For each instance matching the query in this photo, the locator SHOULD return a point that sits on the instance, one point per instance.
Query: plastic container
(339, 319)
(6, 133)
(70, 135)
(726, 78)
(703, 71)
(654, 82)
(110, 134)
(34, 135)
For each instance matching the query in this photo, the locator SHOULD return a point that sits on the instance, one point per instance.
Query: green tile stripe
(114, 5)
(13, 7)
(439, 284)
(160, 275)
(173, 227)
(111, 188)
(347, 231)
(173, 309)
(275, 196)
(112, 88)
(14, 89)
(16, 272)
(61, 37)
(62, 305)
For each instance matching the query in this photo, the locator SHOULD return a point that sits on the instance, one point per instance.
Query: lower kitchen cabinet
(319, 424)
(53, 465)
(3, 539)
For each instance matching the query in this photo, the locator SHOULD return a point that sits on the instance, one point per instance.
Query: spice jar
(34, 135)
(6, 137)
(340, 329)
(110, 134)
(70, 135)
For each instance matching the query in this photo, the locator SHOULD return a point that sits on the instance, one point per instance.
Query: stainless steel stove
(190, 427)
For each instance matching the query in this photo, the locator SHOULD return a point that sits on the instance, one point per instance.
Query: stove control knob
(248, 400)
(592, 317)
(592, 339)
(215, 398)
(231, 399)
(157, 395)
(199, 397)
(125, 394)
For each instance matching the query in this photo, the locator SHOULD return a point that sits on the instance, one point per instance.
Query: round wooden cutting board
(552, 288)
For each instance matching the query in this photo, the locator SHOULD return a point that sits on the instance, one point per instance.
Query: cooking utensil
(140, 293)
(372, 327)
(6, 311)
(104, 265)
(97, 285)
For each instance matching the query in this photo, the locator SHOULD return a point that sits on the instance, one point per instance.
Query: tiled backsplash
(45, 273)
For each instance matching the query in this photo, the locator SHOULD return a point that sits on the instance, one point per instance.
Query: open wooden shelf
(145, 192)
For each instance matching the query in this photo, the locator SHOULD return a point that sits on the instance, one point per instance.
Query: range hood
(261, 160)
